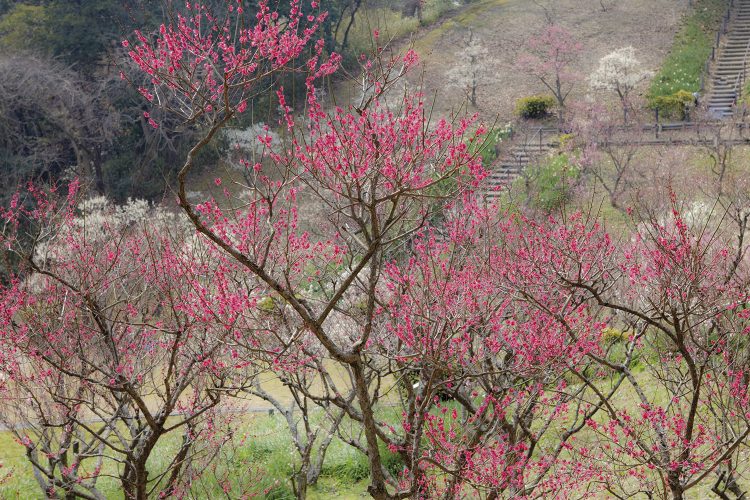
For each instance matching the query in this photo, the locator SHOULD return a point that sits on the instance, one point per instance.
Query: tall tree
(549, 57)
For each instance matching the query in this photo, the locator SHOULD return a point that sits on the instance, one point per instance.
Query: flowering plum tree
(549, 57)
(471, 69)
(486, 317)
(681, 302)
(110, 344)
(495, 335)
(606, 151)
(619, 72)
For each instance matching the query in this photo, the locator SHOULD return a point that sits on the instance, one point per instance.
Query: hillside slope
(503, 26)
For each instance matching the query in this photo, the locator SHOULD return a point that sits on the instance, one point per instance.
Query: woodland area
(67, 113)
(246, 254)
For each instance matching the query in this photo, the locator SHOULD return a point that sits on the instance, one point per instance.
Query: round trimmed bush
(535, 106)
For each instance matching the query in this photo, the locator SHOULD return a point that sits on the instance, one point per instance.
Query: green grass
(392, 24)
(690, 50)
(267, 450)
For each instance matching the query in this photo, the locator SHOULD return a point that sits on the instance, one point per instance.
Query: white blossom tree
(471, 70)
(621, 72)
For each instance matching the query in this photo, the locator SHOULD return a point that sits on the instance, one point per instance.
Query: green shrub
(566, 140)
(535, 106)
(267, 304)
(745, 96)
(674, 106)
(551, 181)
(347, 465)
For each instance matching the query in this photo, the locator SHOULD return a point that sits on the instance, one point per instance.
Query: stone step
(732, 63)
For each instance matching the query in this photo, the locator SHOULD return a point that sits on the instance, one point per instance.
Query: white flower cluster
(471, 68)
(248, 144)
(619, 71)
(98, 218)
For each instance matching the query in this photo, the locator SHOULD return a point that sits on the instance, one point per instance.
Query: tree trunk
(675, 488)
(135, 480)
(98, 174)
(135, 477)
(300, 483)
(377, 487)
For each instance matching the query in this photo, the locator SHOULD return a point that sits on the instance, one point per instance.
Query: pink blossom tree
(678, 300)
(354, 290)
(485, 318)
(110, 345)
(549, 57)
(408, 276)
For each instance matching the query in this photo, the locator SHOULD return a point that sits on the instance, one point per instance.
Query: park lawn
(267, 455)
(268, 451)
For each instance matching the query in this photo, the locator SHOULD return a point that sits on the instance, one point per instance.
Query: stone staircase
(731, 67)
(510, 165)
